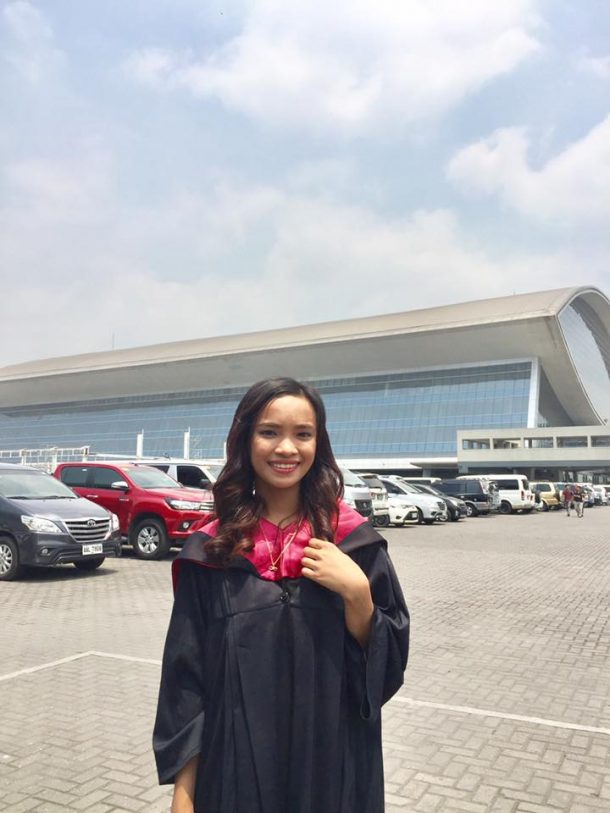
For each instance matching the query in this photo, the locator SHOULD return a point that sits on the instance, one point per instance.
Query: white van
(513, 489)
(189, 473)
(357, 494)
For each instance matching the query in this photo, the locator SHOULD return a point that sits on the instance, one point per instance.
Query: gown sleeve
(376, 672)
(178, 730)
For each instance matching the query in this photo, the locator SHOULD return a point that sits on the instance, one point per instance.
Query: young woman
(289, 630)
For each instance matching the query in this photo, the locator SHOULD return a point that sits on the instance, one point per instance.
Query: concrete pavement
(506, 705)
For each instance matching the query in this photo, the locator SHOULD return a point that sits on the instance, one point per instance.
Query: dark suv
(480, 496)
(44, 523)
(154, 510)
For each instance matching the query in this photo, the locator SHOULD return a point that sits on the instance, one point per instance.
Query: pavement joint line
(79, 656)
(502, 715)
(405, 700)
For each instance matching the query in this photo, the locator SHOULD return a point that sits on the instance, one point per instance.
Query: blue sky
(172, 170)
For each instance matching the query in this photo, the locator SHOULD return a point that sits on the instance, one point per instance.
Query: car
(429, 508)
(379, 495)
(356, 493)
(456, 507)
(43, 523)
(480, 496)
(189, 473)
(601, 497)
(154, 510)
(546, 494)
(401, 512)
(515, 493)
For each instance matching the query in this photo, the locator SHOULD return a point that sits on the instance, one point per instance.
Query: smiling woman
(288, 633)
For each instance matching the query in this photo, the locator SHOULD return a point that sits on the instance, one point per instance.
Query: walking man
(568, 498)
(579, 501)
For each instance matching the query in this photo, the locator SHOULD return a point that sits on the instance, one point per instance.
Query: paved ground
(506, 705)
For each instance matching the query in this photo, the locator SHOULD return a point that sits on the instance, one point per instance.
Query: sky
(178, 169)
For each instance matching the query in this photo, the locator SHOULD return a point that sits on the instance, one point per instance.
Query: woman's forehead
(288, 409)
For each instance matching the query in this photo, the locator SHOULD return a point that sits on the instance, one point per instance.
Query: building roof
(511, 328)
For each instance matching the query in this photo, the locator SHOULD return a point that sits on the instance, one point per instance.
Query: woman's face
(283, 445)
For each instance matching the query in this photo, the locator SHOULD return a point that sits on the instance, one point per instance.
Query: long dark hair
(236, 505)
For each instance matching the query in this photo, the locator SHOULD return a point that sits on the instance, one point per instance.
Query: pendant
(272, 567)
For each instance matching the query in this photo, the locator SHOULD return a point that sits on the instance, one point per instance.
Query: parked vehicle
(44, 523)
(421, 481)
(480, 496)
(189, 473)
(429, 508)
(549, 495)
(514, 491)
(401, 512)
(154, 510)
(379, 495)
(456, 507)
(357, 494)
(601, 497)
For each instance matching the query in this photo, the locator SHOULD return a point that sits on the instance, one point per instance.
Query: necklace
(274, 563)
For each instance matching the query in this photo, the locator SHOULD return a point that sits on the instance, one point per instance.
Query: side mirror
(120, 485)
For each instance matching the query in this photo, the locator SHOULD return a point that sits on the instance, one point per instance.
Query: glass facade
(394, 414)
(588, 341)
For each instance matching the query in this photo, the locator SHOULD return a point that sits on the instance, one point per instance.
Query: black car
(480, 496)
(44, 523)
(456, 507)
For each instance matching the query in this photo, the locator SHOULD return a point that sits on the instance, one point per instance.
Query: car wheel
(10, 568)
(505, 507)
(90, 564)
(383, 521)
(420, 516)
(428, 521)
(471, 510)
(545, 506)
(149, 539)
(454, 516)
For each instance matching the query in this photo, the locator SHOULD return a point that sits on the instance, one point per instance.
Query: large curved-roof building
(396, 386)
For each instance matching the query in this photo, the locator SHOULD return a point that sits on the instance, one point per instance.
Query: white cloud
(572, 186)
(236, 259)
(598, 66)
(31, 48)
(375, 69)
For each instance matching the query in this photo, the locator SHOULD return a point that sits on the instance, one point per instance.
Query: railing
(47, 458)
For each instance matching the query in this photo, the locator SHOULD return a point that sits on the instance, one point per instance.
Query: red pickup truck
(154, 510)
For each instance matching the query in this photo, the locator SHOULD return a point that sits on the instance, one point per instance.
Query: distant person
(568, 498)
(579, 501)
(289, 629)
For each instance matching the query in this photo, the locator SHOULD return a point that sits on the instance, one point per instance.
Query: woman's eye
(305, 435)
(266, 433)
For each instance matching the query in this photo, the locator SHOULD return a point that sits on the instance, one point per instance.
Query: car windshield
(371, 482)
(151, 478)
(350, 479)
(408, 488)
(33, 485)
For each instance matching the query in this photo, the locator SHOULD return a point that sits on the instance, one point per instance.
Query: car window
(507, 485)
(451, 488)
(104, 477)
(391, 488)
(74, 475)
(350, 479)
(193, 477)
(151, 478)
(32, 485)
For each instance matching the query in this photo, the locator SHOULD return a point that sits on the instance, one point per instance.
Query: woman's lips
(283, 468)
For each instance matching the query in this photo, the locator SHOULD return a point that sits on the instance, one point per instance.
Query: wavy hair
(238, 507)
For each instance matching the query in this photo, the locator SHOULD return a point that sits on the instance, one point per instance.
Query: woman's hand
(323, 562)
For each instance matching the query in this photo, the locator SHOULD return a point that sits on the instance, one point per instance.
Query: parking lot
(506, 704)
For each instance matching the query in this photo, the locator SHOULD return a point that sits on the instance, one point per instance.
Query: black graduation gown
(263, 680)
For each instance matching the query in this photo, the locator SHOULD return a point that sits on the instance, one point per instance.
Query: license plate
(89, 549)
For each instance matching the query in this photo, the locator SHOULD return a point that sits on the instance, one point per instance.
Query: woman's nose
(286, 446)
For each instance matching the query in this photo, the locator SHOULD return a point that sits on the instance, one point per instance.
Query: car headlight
(185, 505)
(114, 522)
(41, 525)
